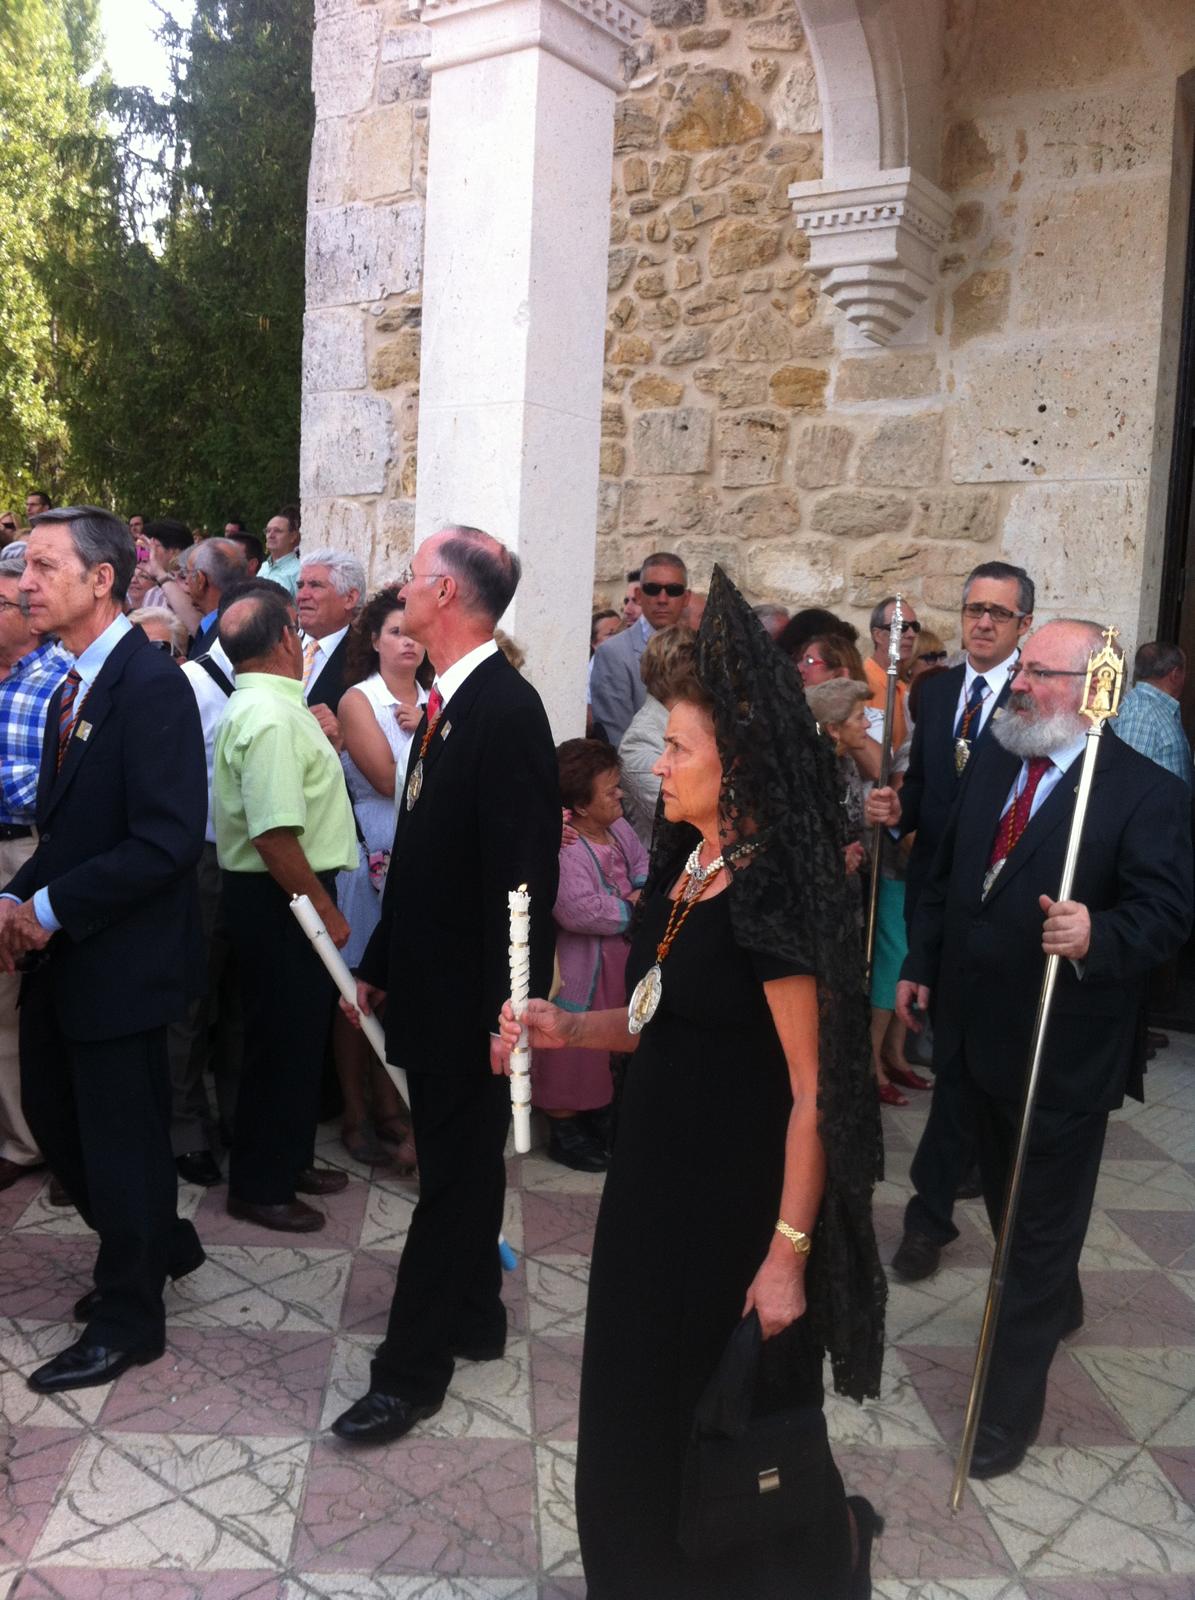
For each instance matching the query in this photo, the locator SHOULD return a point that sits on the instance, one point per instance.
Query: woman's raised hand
(548, 1028)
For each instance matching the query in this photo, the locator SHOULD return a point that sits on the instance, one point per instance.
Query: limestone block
(701, 556)
(813, 341)
(382, 143)
(408, 477)
(1099, 254)
(614, 423)
(677, 13)
(1076, 135)
(634, 174)
(820, 457)
(403, 80)
(979, 306)
(796, 573)
(330, 174)
(1021, 46)
(902, 451)
(347, 444)
(697, 209)
(651, 285)
(672, 441)
(688, 273)
(1055, 529)
(363, 253)
(405, 44)
(608, 563)
(333, 351)
(662, 314)
(396, 318)
(763, 335)
(632, 351)
(803, 388)
(889, 565)
(798, 108)
(751, 447)
(712, 108)
(611, 458)
(343, 54)
(343, 524)
(781, 32)
(714, 303)
(670, 176)
(703, 38)
(971, 156)
(396, 362)
(636, 125)
(654, 390)
(765, 514)
(888, 375)
(1057, 409)
(620, 263)
(732, 385)
(395, 539)
(655, 508)
(609, 502)
(944, 586)
(744, 8)
(738, 246)
(688, 346)
(967, 222)
(855, 514)
(956, 514)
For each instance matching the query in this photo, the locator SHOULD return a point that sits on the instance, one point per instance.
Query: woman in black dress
(736, 1152)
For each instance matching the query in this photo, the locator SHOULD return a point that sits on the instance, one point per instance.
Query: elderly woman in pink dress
(601, 874)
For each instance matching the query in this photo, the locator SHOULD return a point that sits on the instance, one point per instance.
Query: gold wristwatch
(801, 1242)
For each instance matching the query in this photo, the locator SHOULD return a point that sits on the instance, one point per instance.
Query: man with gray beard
(984, 925)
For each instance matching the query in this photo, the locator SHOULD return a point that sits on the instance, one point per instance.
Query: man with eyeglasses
(957, 713)
(616, 688)
(985, 922)
(876, 665)
(34, 666)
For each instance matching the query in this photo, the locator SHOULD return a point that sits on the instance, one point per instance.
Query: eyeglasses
(409, 575)
(932, 656)
(672, 590)
(975, 609)
(905, 627)
(812, 661)
(1044, 674)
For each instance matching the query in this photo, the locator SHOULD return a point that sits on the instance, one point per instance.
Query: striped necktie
(66, 713)
(1016, 818)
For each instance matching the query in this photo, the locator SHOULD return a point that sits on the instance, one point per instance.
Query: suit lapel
(90, 715)
(1054, 810)
(997, 709)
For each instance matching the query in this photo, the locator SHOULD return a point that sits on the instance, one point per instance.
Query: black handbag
(749, 1476)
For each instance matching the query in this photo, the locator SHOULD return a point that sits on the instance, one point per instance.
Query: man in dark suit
(956, 712)
(615, 688)
(331, 592)
(104, 915)
(984, 924)
(479, 814)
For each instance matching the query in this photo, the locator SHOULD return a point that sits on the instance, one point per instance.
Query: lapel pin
(446, 730)
(83, 731)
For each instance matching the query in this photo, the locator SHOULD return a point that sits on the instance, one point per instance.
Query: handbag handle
(725, 1405)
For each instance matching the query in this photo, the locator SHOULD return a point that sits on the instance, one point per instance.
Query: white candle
(520, 980)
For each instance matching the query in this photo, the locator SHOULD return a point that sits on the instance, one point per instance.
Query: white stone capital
(589, 35)
(873, 243)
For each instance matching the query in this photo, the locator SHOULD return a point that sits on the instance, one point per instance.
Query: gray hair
(221, 561)
(98, 537)
(834, 700)
(486, 572)
(664, 558)
(345, 572)
(178, 628)
(12, 565)
(1005, 572)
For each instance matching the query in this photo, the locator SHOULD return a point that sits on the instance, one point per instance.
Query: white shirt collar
(325, 646)
(89, 661)
(450, 680)
(995, 677)
(1065, 758)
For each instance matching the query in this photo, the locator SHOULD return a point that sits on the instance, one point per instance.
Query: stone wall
(739, 425)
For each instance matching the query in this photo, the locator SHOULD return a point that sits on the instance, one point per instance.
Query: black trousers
(1042, 1290)
(100, 1111)
(944, 1154)
(448, 1289)
(287, 999)
(211, 1032)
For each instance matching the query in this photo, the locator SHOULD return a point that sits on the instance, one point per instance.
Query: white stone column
(517, 226)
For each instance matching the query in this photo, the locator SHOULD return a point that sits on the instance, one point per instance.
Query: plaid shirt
(1151, 721)
(25, 697)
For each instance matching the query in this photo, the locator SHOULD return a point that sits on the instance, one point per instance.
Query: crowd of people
(785, 876)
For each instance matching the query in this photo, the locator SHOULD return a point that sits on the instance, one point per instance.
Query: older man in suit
(104, 917)
(984, 925)
(479, 814)
(955, 718)
(616, 690)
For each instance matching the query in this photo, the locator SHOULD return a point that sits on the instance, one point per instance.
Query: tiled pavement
(209, 1474)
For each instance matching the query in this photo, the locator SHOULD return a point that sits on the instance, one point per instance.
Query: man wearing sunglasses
(876, 664)
(617, 689)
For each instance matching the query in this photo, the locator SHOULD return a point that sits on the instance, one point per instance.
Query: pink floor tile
(225, 1380)
(44, 1276)
(33, 1467)
(910, 1488)
(563, 1589)
(342, 1231)
(459, 1507)
(1179, 1467)
(1167, 1237)
(82, 1583)
(555, 1385)
(1124, 1142)
(1175, 1587)
(558, 1224)
(17, 1196)
(1134, 1308)
(371, 1288)
(1076, 1413)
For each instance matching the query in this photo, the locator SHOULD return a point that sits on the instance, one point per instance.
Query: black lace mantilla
(789, 898)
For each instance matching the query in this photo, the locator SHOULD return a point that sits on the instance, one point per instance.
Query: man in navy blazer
(615, 688)
(104, 920)
(985, 923)
(956, 713)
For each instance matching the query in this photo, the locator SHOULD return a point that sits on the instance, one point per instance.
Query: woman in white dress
(378, 715)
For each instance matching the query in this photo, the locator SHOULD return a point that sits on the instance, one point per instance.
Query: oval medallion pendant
(645, 999)
(415, 784)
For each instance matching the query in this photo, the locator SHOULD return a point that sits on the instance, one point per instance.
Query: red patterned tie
(435, 704)
(66, 713)
(1016, 819)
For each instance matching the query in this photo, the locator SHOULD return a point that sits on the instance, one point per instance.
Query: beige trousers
(16, 1142)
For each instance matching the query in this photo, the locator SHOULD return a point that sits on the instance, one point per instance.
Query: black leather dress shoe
(998, 1450)
(917, 1257)
(1074, 1316)
(199, 1166)
(571, 1145)
(321, 1180)
(290, 1217)
(379, 1418)
(84, 1366)
(88, 1304)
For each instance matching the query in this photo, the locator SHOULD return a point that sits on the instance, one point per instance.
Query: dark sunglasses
(905, 627)
(933, 656)
(672, 590)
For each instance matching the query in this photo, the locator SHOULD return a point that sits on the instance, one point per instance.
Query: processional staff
(1101, 701)
(895, 629)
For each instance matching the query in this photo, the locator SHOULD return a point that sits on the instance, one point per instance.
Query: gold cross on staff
(1105, 680)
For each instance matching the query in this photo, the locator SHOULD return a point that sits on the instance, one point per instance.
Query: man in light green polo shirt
(282, 546)
(284, 826)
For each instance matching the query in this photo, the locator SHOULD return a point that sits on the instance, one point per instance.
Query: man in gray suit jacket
(616, 689)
